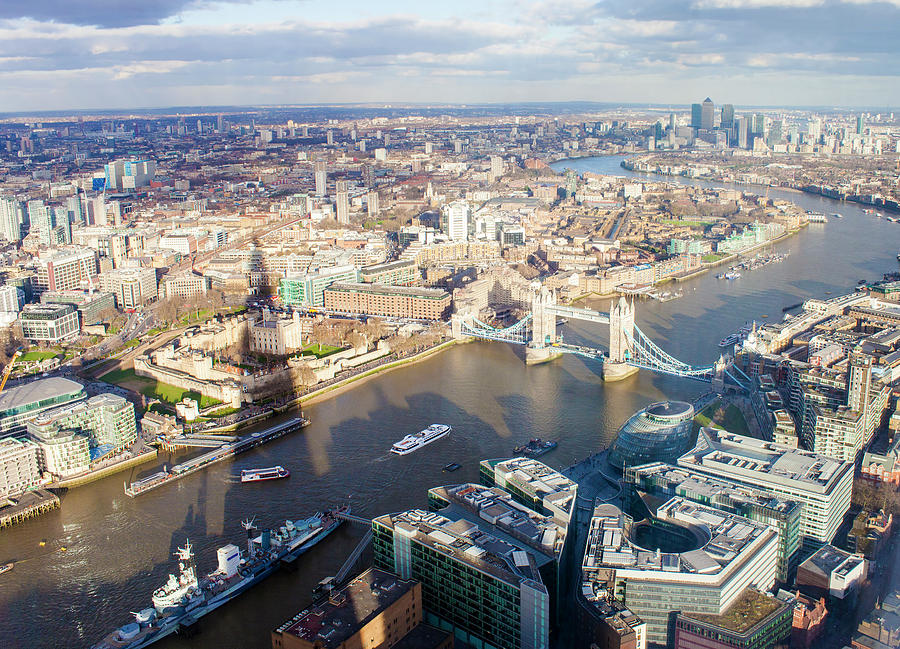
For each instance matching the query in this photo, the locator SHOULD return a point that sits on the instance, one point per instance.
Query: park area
(728, 417)
(153, 389)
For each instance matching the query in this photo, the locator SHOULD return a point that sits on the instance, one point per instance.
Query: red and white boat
(258, 475)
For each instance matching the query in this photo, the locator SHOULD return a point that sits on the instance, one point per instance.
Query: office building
(532, 484)
(11, 219)
(132, 287)
(456, 220)
(22, 402)
(707, 114)
(486, 589)
(603, 621)
(184, 244)
(184, 286)
(66, 270)
(124, 175)
(696, 116)
(393, 273)
(12, 299)
(831, 573)
(753, 621)
(91, 306)
(19, 466)
(820, 483)
(661, 432)
(49, 323)
(694, 558)
(727, 116)
(308, 289)
(389, 301)
(665, 481)
(106, 421)
(376, 610)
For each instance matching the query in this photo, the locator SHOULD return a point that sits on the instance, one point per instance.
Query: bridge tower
(543, 327)
(621, 333)
(543, 324)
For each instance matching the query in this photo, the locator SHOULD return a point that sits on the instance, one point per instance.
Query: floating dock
(217, 455)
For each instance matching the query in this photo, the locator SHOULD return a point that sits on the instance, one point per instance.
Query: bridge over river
(629, 350)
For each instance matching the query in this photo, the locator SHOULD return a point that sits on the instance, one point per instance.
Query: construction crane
(9, 366)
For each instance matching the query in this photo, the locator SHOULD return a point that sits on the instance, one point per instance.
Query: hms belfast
(185, 598)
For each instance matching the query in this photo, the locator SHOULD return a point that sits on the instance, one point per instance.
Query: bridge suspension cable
(648, 355)
(516, 333)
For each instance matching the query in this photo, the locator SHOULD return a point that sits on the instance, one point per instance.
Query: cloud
(552, 49)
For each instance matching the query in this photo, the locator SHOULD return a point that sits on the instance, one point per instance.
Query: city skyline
(748, 52)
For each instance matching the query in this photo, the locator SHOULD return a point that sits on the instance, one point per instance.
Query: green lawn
(223, 412)
(712, 258)
(319, 350)
(687, 224)
(36, 355)
(151, 388)
(732, 420)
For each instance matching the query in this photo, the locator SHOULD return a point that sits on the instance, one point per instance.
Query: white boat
(416, 441)
(270, 473)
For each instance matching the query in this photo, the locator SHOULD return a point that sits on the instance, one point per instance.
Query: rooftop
(35, 392)
(347, 610)
(389, 289)
(748, 610)
(728, 536)
(536, 479)
(756, 460)
(690, 483)
(498, 508)
(829, 559)
(495, 554)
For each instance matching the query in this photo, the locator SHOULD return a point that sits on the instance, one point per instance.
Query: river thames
(119, 549)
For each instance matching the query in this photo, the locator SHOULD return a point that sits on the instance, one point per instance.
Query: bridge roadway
(577, 314)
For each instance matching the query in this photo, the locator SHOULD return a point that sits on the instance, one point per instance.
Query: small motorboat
(453, 466)
(6, 567)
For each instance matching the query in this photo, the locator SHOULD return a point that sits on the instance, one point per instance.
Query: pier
(220, 453)
(27, 505)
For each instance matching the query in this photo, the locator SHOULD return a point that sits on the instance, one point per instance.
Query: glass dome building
(661, 432)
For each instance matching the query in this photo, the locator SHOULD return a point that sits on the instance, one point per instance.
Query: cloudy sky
(61, 54)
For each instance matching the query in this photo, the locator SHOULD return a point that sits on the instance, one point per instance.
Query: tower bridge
(630, 349)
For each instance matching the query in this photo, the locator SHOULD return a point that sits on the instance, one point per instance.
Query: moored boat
(270, 473)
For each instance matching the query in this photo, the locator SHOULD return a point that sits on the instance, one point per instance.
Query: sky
(110, 54)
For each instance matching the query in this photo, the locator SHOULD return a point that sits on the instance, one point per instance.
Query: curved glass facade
(661, 432)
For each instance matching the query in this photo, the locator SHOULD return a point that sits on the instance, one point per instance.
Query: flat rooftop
(389, 289)
(503, 558)
(537, 479)
(332, 622)
(497, 507)
(729, 535)
(748, 610)
(749, 459)
(692, 482)
(32, 394)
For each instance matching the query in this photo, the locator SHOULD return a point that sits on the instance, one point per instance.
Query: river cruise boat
(258, 475)
(418, 440)
(6, 567)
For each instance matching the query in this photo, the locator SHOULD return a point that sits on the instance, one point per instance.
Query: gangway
(353, 558)
(350, 518)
